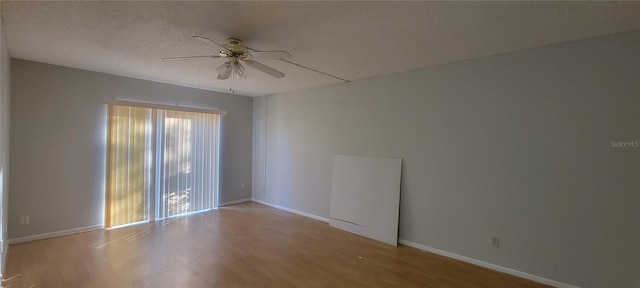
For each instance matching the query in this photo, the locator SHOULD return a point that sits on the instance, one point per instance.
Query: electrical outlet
(495, 241)
(263, 191)
(241, 186)
(24, 220)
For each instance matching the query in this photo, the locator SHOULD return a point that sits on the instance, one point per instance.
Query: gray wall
(58, 128)
(515, 145)
(4, 143)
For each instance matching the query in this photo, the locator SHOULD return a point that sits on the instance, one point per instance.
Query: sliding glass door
(128, 165)
(166, 155)
(188, 149)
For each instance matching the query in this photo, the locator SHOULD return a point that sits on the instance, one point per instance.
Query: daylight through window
(160, 163)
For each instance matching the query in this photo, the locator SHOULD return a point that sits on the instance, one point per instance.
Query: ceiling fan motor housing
(234, 41)
(235, 47)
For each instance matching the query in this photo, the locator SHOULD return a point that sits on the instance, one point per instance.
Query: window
(188, 149)
(128, 165)
(160, 163)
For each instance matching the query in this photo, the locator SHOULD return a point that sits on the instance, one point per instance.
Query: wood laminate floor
(245, 245)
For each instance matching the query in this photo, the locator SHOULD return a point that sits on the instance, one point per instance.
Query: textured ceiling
(351, 40)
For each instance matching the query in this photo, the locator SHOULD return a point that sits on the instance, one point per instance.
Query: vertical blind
(129, 144)
(188, 149)
(166, 155)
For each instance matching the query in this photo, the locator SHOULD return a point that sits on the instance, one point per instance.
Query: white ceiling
(351, 40)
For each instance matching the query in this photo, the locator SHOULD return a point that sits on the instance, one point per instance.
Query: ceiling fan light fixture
(239, 70)
(222, 68)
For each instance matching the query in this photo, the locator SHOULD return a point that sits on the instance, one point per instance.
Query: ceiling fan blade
(269, 55)
(211, 42)
(224, 75)
(191, 57)
(264, 68)
(314, 70)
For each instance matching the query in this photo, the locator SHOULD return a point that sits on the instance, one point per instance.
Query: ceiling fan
(237, 54)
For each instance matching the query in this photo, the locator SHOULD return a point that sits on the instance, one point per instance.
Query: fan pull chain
(232, 85)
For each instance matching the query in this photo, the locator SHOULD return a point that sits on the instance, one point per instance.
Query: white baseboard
(487, 265)
(233, 202)
(5, 251)
(314, 217)
(55, 234)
